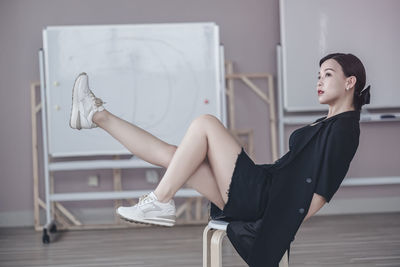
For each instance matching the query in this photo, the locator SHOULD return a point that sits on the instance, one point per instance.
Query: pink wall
(249, 32)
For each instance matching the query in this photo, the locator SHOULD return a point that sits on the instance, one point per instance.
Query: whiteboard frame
(133, 163)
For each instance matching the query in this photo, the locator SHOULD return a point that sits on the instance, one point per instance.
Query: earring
(347, 88)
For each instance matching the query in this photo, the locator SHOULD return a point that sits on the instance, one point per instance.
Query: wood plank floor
(335, 240)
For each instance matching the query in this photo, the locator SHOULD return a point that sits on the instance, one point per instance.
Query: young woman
(210, 160)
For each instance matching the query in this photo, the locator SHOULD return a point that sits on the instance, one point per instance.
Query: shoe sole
(166, 224)
(75, 116)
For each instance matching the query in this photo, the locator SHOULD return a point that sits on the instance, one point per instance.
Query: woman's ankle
(162, 198)
(100, 116)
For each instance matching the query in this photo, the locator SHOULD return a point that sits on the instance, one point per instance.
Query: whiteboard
(311, 29)
(157, 76)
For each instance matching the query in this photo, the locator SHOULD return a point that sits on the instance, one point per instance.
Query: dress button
(301, 210)
(308, 180)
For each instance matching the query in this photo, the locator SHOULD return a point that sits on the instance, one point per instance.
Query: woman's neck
(336, 110)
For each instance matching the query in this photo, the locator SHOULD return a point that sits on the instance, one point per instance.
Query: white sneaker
(150, 211)
(84, 104)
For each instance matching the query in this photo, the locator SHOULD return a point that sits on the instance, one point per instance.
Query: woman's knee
(203, 120)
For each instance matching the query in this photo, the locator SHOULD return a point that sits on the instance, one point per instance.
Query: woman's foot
(84, 104)
(150, 211)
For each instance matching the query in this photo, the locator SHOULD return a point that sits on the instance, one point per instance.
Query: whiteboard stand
(49, 167)
(50, 226)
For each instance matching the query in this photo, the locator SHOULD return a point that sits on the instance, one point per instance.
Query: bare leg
(149, 148)
(138, 141)
(206, 137)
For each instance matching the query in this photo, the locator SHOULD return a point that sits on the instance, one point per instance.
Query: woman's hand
(316, 204)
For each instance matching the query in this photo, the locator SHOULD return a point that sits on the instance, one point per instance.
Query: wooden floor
(336, 240)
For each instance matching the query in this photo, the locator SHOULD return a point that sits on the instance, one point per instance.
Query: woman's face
(333, 83)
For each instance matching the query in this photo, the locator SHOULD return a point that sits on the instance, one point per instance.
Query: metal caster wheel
(48, 229)
(45, 237)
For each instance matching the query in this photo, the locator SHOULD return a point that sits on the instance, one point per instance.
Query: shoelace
(144, 199)
(98, 102)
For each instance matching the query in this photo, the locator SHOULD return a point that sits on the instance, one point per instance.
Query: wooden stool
(213, 235)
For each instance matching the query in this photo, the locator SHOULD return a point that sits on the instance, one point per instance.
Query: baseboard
(16, 218)
(105, 215)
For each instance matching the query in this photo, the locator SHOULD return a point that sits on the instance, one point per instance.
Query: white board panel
(157, 76)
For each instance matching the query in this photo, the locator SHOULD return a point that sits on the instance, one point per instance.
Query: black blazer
(323, 151)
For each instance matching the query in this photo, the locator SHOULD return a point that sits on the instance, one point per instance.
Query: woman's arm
(316, 204)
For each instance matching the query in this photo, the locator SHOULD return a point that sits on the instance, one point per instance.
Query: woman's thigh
(222, 152)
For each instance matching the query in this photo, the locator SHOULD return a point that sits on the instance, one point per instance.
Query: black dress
(249, 192)
(247, 198)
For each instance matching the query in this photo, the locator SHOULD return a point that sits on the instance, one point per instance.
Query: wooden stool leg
(216, 248)
(212, 248)
(207, 233)
(284, 261)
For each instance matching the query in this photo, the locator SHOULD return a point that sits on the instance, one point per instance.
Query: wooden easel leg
(117, 187)
(35, 164)
(198, 208)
